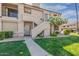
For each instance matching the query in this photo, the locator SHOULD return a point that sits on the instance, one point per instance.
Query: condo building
(72, 26)
(24, 19)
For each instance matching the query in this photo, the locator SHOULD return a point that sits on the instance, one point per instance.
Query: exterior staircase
(44, 26)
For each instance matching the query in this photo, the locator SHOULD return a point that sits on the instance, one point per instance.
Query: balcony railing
(10, 15)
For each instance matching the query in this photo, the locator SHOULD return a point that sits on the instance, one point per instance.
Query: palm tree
(76, 9)
(56, 21)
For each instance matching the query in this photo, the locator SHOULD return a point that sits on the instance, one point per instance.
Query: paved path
(34, 48)
(11, 39)
(61, 35)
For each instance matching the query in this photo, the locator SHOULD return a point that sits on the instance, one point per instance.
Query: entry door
(27, 30)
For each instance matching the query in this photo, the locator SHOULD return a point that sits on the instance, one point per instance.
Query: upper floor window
(10, 12)
(27, 10)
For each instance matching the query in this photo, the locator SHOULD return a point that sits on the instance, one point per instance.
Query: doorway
(27, 29)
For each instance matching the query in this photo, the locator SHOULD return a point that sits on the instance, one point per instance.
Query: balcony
(9, 16)
(6, 18)
(9, 12)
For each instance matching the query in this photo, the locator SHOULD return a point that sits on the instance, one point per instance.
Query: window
(9, 12)
(27, 10)
(12, 13)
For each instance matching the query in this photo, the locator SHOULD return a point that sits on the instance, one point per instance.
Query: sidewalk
(35, 49)
(61, 35)
(11, 39)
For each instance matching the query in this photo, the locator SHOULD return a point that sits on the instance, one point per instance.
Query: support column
(20, 20)
(0, 17)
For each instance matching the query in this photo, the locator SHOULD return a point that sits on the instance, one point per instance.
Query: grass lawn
(62, 46)
(74, 34)
(15, 48)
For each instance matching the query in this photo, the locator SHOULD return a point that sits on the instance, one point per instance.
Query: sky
(67, 10)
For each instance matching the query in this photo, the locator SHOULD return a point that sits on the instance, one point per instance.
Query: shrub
(10, 34)
(54, 34)
(67, 31)
(2, 35)
(57, 32)
(6, 34)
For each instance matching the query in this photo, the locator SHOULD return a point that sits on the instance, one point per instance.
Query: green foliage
(74, 34)
(67, 31)
(54, 34)
(2, 35)
(6, 34)
(56, 20)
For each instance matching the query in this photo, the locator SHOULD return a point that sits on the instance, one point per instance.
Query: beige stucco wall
(37, 15)
(20, 28)
(10, 26)
(20, 11)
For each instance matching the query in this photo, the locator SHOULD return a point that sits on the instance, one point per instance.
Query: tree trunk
(50, 29)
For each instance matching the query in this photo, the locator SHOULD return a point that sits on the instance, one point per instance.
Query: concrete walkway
(61, 35)
(34, 48)
(11, 39)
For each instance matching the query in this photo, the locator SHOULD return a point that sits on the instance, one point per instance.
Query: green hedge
(67, 31)
(6, 34)
(2, 35)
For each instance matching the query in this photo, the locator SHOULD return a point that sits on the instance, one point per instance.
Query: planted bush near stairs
(67, 31)
(6, 34)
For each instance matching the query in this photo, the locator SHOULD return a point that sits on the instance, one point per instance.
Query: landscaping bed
(60, 46)
(14, 48)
